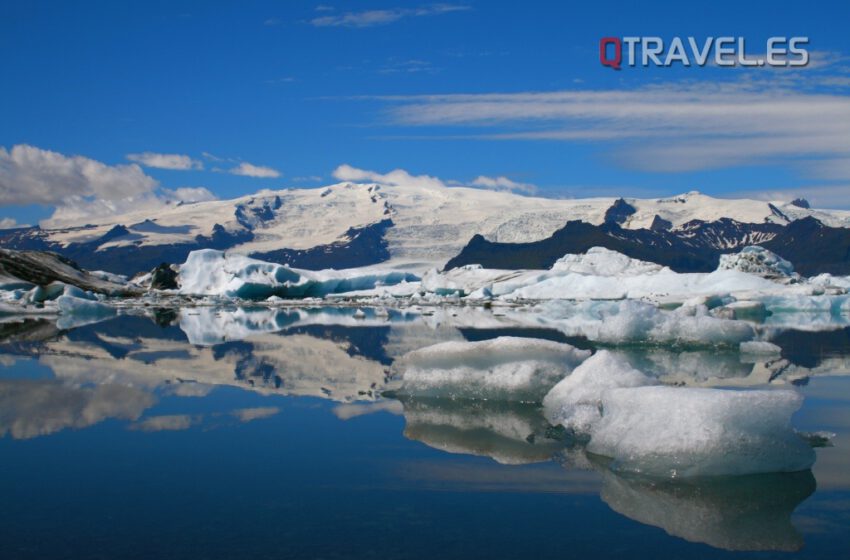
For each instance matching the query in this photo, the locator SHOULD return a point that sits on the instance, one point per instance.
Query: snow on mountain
(429, 225)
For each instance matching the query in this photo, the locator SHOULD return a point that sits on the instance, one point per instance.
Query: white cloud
(673, 127)
(83, 190)
(9, 223)
(30, 175)
(397, 177)
(166, 161)
(172, 422)
(400, 177)
(187, 195)
(371, 18)
(256, 413)
(502, 184)
(249, 170)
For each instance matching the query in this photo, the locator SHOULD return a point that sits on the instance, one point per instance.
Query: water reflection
(733, 513)
(509, 433)
(120, 368)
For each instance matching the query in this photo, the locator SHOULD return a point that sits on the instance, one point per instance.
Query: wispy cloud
(246, 169)
(673, 127)
(371, 18)
(166, 161)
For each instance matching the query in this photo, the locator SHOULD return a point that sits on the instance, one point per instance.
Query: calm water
(258, 435)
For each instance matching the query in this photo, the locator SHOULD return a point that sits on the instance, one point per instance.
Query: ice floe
(688, 432)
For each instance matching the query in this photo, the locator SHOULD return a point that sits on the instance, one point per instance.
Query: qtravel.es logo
(616, 52)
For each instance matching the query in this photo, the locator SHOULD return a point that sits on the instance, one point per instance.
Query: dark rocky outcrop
(42, 268)
(619, 212)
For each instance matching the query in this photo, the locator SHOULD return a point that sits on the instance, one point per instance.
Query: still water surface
(136, 438)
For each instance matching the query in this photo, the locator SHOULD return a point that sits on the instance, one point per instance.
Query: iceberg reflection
(733, 513)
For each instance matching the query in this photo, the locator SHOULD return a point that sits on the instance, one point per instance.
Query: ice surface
(688, 432)
(576, 401)
(599, 261)
(79, 307)
(504, 368)
(757, 260)
(215, 273)
(598, 274)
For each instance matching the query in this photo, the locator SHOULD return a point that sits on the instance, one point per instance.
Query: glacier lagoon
(329, 431)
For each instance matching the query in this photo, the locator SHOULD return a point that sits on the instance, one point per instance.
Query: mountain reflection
(120, 368)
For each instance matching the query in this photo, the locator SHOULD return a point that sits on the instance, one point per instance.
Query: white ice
(689, 432)
(576, 401)
(216, 273)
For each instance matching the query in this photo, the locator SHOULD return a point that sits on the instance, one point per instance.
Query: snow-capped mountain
(350, 225)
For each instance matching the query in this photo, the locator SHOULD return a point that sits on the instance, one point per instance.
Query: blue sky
(285, 92)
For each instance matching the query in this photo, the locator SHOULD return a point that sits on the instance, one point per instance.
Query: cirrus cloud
(372, 18)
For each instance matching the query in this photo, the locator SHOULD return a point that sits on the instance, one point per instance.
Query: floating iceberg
(576, 402)
(688, 432)
(504, 368)
(215, 273)
(79, 308)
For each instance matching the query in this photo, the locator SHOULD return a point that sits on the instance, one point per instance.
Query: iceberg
(78, 307)
(504, 368)
(214, 273)
(576, 401)
(689, 432)
(757, 260)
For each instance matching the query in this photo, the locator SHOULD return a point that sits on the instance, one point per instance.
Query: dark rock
(163, 277)
(619, 212)
(660, 224)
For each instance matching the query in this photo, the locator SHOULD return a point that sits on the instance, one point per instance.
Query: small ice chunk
(504, 368)
(687, 432)
(576, 401)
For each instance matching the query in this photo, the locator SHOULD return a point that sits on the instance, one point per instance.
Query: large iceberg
(689, 432)
(216, 273)
(504, 368)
